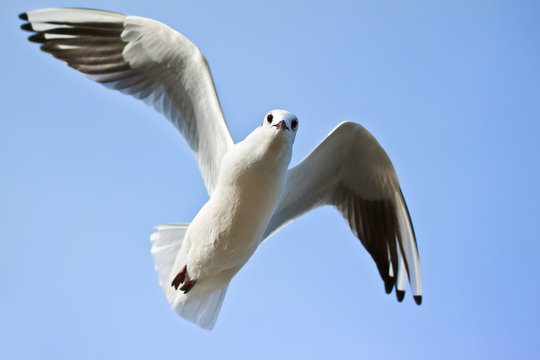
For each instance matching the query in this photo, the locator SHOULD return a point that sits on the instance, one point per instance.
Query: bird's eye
(269, 118)
(294, 124)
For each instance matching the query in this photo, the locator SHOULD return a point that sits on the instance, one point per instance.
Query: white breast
(227, 230)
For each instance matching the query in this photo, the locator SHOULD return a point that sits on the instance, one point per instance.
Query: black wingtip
(400, 295)
(23, 16)
(37, 38)
(389, 285)
(27, 27)
(418, 299)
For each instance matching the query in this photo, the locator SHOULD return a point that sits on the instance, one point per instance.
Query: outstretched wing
(146, 59)
(352, 172)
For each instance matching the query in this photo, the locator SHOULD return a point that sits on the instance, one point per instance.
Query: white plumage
(252, 192)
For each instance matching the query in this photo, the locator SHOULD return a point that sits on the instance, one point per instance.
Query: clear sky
(451, 89)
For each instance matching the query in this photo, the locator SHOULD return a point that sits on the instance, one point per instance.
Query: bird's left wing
(352, 172)
(146, 59)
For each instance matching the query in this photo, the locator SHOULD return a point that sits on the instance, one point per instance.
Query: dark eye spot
(294, 124)
(269, 118)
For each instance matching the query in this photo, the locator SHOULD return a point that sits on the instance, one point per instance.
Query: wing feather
(146, 59)
(350, 171)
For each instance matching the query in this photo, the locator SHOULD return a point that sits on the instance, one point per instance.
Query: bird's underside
(348, 170)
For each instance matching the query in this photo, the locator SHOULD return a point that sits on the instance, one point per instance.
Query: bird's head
(281, 123)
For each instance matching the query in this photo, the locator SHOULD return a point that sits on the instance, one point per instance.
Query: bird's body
(252, 192)
(229, 227)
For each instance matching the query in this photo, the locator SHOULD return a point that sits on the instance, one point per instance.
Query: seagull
(252, 191)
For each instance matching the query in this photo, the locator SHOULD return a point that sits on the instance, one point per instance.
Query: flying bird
(252, 191)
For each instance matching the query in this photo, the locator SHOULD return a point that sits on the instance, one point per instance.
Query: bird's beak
(282, 125)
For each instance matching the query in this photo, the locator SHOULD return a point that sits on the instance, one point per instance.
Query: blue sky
(450, 89)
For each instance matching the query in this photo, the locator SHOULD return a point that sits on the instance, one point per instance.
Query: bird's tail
(201, 304)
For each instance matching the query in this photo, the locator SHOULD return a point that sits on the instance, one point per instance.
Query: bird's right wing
(146, 59)
(351, 171)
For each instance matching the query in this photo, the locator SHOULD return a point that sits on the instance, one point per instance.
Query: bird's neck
(258, 159)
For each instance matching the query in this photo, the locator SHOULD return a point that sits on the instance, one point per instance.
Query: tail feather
(166, 242)
(202, 304)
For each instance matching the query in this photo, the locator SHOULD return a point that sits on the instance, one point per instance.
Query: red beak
(282, 125)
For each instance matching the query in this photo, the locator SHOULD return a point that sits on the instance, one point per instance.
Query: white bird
(252, 191)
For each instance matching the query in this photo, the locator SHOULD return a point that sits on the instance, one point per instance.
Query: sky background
(451, 89)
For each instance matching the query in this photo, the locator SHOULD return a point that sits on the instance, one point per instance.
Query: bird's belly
(227, 230)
